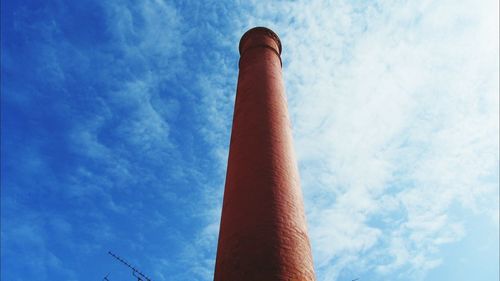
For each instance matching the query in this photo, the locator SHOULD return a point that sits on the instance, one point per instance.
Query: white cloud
(394, 106)
(395, 113)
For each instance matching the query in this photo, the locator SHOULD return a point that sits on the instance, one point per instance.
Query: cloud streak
(395, 107)
(116, 119)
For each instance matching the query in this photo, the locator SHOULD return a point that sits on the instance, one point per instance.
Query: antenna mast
(139, 275)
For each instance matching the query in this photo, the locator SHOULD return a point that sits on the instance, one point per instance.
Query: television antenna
(139, 275)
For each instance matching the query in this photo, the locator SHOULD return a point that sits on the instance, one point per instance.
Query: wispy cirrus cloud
(395, 107)
(388, 148)
(116, 119)
(103, 140)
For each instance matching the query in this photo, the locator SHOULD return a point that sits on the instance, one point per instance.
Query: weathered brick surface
(263, 233)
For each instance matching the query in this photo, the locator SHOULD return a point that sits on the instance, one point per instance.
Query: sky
(115, 127)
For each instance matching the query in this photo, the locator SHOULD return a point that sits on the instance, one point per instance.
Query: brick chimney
(263, 234)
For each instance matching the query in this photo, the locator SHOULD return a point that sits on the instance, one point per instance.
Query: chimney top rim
(269, 32)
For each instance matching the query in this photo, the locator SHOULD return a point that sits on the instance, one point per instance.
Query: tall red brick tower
(263, 234)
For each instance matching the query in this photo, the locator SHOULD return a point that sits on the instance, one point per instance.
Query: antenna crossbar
(135, 271)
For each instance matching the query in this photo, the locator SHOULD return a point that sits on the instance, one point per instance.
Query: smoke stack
(263, 234)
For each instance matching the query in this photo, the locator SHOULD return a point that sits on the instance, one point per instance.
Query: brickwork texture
(263, 234)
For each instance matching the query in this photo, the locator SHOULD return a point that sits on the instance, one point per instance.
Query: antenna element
(139, 275)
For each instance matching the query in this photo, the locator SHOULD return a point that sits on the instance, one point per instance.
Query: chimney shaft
(263, 233)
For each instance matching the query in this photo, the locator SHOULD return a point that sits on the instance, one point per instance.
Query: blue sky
(116, 117)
